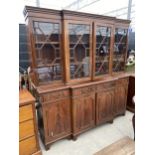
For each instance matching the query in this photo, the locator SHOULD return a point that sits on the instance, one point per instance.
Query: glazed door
(79, 50)
(120, 49)
(83, 113)
(58, 119)
(104, 106)
(120, 99)
(102, 49)
(47, 50)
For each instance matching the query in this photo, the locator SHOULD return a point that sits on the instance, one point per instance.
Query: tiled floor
(94, 139)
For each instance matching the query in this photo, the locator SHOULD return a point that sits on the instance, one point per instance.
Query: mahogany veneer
(77, 70)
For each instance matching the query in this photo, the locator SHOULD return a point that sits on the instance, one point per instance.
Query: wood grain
(25, 113)
(124, 146)
(27, 146)
(26, 129)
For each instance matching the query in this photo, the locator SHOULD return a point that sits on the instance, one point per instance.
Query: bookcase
(77, 70)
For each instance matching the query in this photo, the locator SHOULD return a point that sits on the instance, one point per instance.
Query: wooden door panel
(105, 101)
(84, 109)
(58, 116)
(120, 99)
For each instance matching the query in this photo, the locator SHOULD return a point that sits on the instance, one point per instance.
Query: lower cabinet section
(54, 117)
(69, 112)
(83, 113)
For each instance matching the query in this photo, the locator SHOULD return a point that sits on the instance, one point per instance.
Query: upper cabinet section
(45, 39)
(68, 47)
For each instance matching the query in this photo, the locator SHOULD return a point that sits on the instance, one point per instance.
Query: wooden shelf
(120, 43)
(104, 43)
(78, 43)
(79, 63)
(97, 61)
(48, 65)
(43, 42)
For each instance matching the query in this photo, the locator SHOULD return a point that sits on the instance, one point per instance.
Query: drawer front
(26, 129)
(123, 81)
(25, 112)
(27, 146)
(54, 96)
(83, 90)
(106, 86)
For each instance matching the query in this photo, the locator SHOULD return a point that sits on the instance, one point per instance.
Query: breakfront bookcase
(77, 70)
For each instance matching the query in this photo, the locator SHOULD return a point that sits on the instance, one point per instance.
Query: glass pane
(48, 57)
(103, 35)
(79, 36)
(120, 49)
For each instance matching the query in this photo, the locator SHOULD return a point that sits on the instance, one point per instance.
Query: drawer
(26, 129)
(27, 146)
(106, 86)
(25, 112)
(83, 90)
(54, 96)
(123, 81)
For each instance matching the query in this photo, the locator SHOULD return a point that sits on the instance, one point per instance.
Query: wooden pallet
(124, 146)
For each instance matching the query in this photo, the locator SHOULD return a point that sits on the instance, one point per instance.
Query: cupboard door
(48, 59)
(120, 99)
(83, 113)
(102, 49)
(79, 50)
(104, 106)
(120, 49)
(58, 119)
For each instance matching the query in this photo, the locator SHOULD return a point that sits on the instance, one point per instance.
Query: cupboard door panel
(58, 118)
(120, 99)
(105, 101)
(84, 110)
